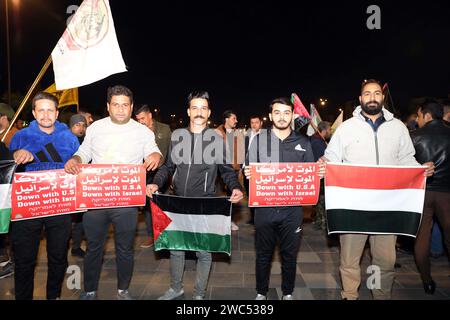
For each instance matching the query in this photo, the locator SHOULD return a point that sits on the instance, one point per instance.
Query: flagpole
(30, 91)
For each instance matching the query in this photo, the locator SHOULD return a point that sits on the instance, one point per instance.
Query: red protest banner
(41, 194)
(110, 185)
(283, 184)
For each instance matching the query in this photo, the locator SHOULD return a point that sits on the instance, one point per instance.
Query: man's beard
(282, 126)
(372, 110)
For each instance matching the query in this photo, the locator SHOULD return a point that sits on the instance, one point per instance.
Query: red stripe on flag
(160, 220)
(380, 178)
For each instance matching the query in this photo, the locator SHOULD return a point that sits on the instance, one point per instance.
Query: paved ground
(234, 277)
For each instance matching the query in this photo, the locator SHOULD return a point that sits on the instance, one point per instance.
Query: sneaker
(7, 270)
(198, 298)
(92, 295)
(260, 297)
(287, 297)
(78, 253)
(172, 295)
(147, 243)
(234, 226)
(123, 295)
(4, 260)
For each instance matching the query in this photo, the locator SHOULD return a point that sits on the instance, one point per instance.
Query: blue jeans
(177, 259)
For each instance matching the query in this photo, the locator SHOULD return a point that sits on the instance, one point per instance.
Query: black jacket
(267, 147)
(432, 143)
(193, 171)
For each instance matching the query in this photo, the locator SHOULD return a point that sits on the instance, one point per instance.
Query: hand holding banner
(283, 184)
(110, 185)
(42, 194)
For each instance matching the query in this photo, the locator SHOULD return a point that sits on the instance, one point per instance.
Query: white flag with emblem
(88, 50)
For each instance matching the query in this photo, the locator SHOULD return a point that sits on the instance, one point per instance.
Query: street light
(323, 102)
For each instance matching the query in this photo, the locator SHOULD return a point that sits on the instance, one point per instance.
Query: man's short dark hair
(282, 100)
(433, 108)
(44, 96)
(369, 81)
(119, 90)
(198, 95)
(142, 108)
(255, 116)
(227, 114)
(323, 125)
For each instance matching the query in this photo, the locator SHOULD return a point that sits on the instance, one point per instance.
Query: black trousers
(96, 223)
(273, 225)
(25, 238)
(436, 204)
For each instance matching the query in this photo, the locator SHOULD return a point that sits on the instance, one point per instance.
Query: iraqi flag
(374, 199)
(7, 168)
(182, 223)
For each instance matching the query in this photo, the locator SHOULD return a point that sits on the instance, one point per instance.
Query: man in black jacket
(194, 175)
(278, 223)
(432, 143)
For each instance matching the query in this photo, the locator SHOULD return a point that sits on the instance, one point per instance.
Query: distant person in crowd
(255, 129)
(432, 143)
(78, 125)
(162, 137)
(19, 124)
(411, 122)
(319, 144)
(87, 115)
(234, 141)
(446, 116)
(6, 115)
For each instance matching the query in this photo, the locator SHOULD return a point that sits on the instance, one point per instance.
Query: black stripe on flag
(7, 168)
(186, 205)
(388, 222)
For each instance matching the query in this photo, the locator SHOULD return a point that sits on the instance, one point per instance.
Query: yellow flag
(337, 122)
(65, 97)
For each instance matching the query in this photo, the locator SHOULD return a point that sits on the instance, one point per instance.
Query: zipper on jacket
(206, 179)
(189, 167)
(376, 147)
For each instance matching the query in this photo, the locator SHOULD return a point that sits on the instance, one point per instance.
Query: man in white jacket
(372, 137)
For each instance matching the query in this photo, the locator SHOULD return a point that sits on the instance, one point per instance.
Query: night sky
(245, 53)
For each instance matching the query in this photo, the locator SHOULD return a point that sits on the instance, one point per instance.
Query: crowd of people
(373, 136)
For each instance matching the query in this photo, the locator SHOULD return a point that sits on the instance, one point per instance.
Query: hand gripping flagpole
(28, 95)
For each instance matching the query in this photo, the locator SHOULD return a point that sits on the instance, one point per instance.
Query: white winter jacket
(356, 142)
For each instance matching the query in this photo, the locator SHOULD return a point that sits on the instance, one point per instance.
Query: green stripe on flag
(181, 240)
(5, 218)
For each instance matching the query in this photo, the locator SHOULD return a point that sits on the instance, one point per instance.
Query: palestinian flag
(7, 168)
(301, 115)
(374, 199)
(182, 223)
